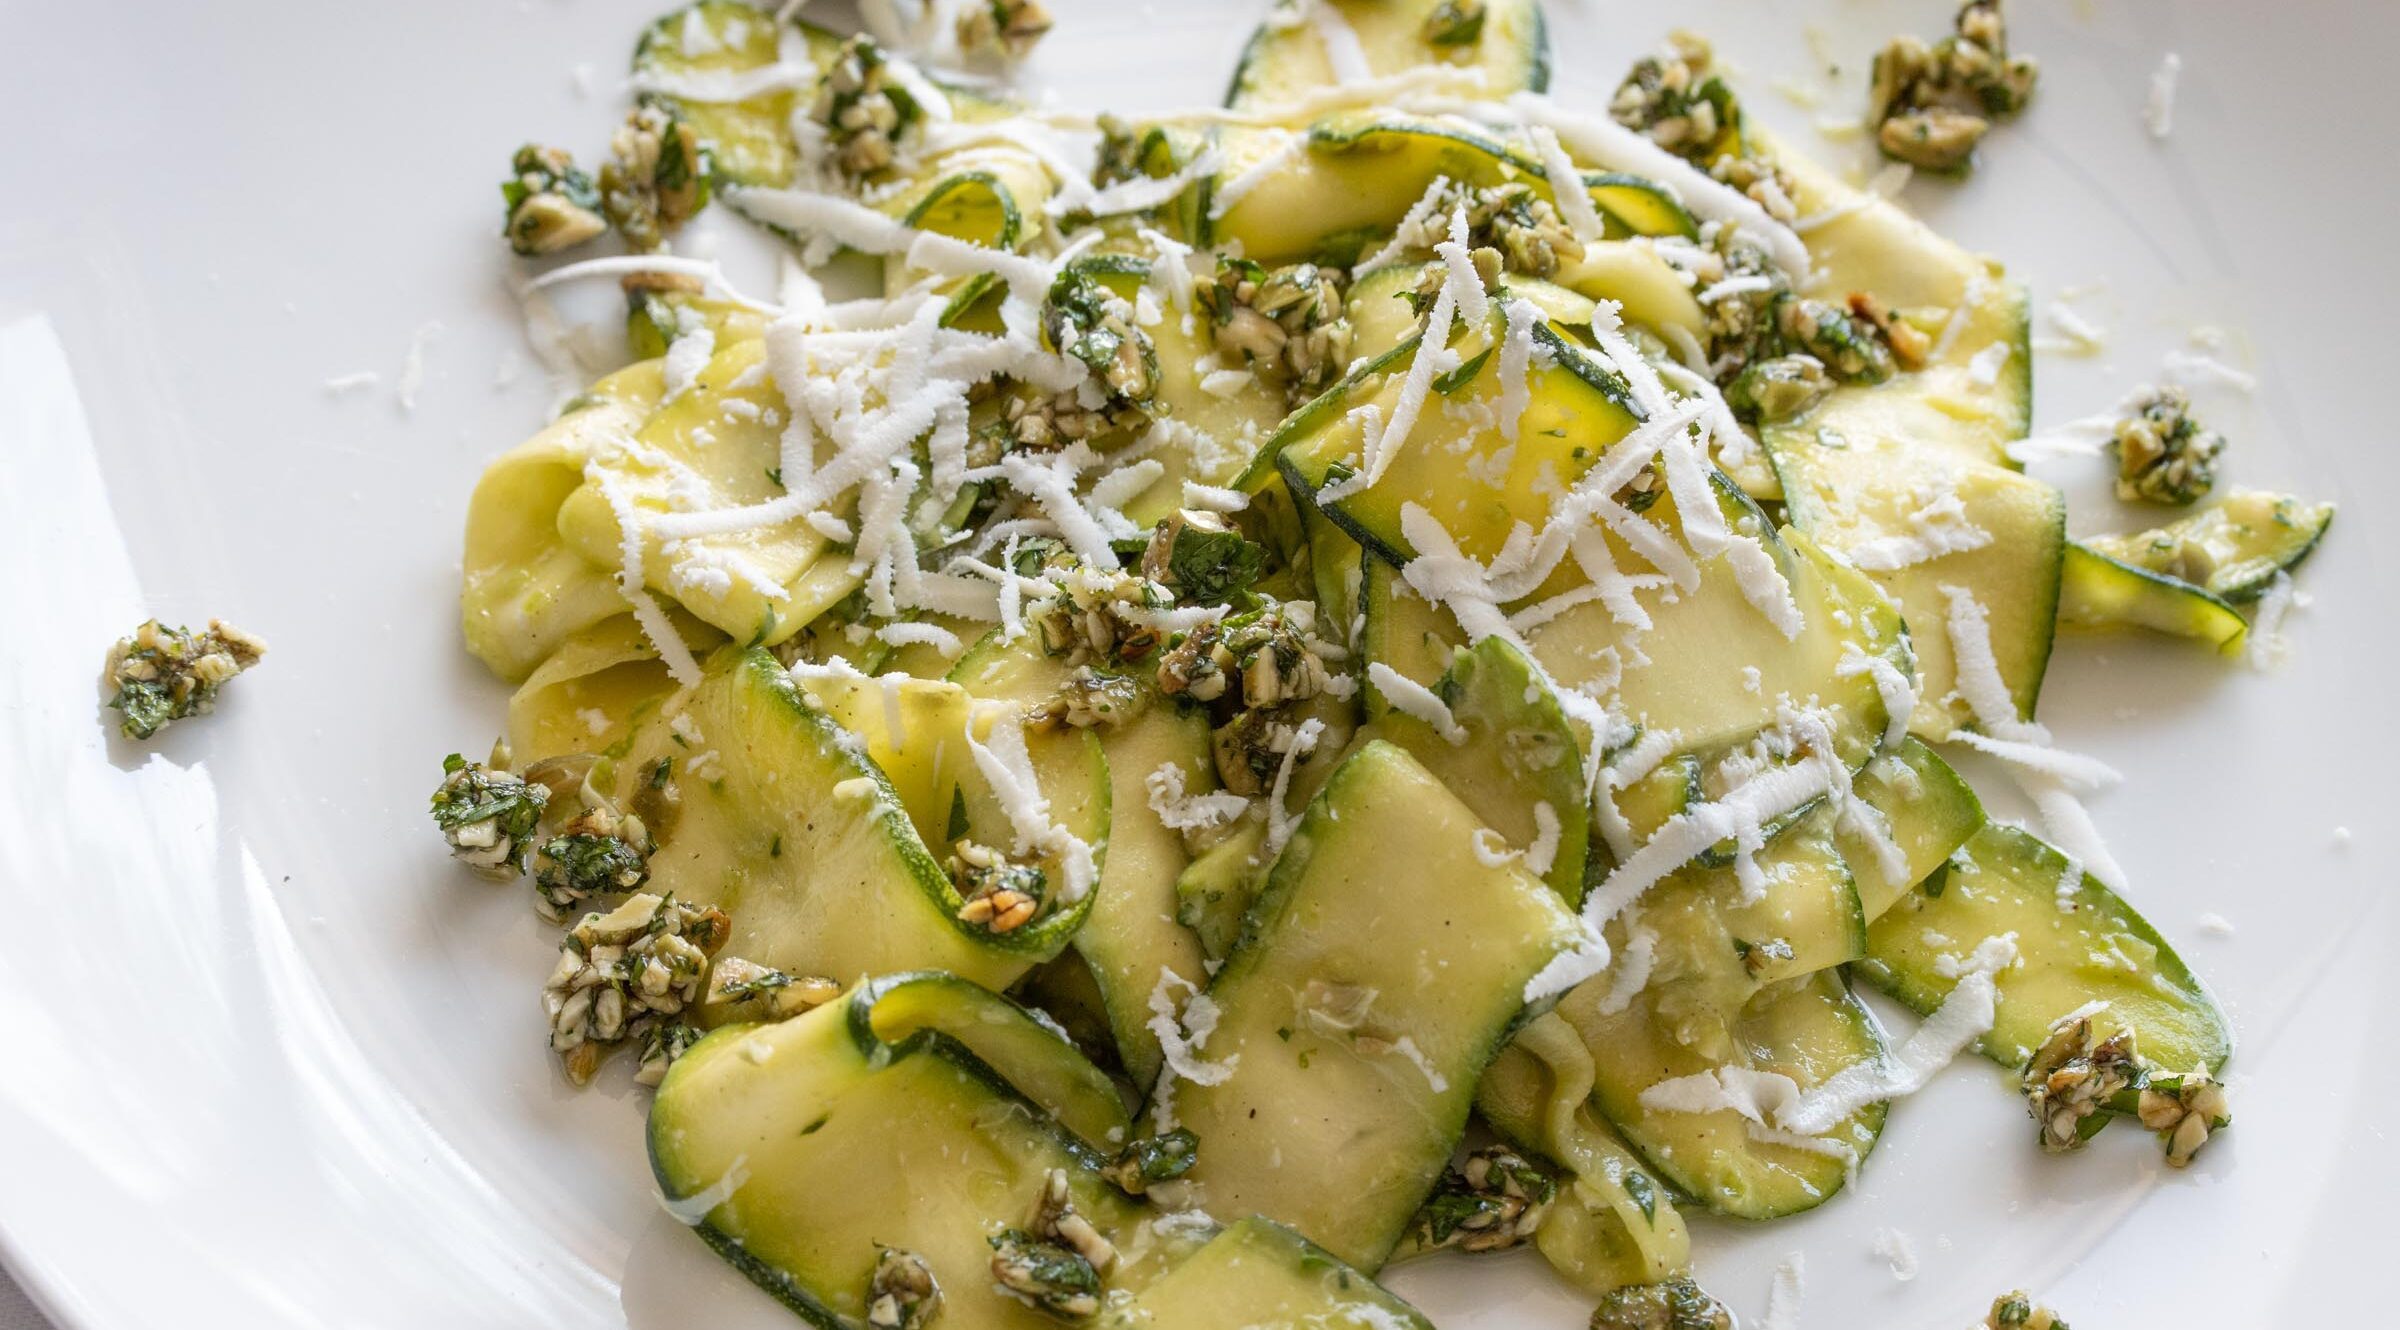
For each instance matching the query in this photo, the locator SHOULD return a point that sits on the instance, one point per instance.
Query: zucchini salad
(1191, 708)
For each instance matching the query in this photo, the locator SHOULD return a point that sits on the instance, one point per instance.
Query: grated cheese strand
(1567, 189)
(1415, 700)
(1978, 669)
(1605, 141)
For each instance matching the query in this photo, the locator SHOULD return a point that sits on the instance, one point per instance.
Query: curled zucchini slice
(2077, 943)
(2230, 549)
(766, 807)
(1338, 1078)
(1285, 59)
(800, 1149)
(2096, 592)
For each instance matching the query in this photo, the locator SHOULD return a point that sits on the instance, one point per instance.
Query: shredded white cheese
(1963, 1017)
(1179, 811)
(1280, 820)
(1784, 1295)
(1601, 139)
(1415, 700)
(2074, 770)
(1898, 1251)
(1007, 768)
(653, 621)
(1343, 51)
(1983, 368)
(1182, 1034)
(1574, 199)
(412, 367)
(1978, 669)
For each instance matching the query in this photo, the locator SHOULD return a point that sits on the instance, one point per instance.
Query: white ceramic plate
(268, 1061)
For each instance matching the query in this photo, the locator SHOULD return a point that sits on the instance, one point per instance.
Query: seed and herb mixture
(1050, 685)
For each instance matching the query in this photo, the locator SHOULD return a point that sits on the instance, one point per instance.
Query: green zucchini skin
(1260, 1273)
(1809, 1028)
(2006, 880)
(1931, 811)
(1280, 63)
(2097, 593)
(2251, 535)
(887, 1011)
(1518, 753)
(1337, 1115)
(817, 882)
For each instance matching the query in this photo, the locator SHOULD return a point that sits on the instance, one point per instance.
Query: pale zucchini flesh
(2076, 941)
(2247, 537)
(1514, 759)
(1286, 59)
(793, 831)
(526, 589)
(818, 1151)
(1809, 1029)
(1376, 977)
(1260, 1273)
(2096, 592)
(1612, 1224)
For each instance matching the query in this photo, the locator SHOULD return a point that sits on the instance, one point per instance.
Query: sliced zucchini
(1851, 488)
(1219, 431)
(654, 318)
(1927, 808)
(1063, 990)
(1648, 290)
(1161, 149)
(1612, 1224)
(1476, 484)
(768, 809)
(1808, 1029)
(1643, 806)
(2231, 549)
(884, 1012)
(1354, 177)
(2077, 943)
(1514, 760)
(1337, 574)
(1381, 318)
(1870, 244)
(1346, 1070)
(711, 446)
(809, 1153)
(1259, 1273)
(1213, 894)
(526, 590)
(1286, 58)
(584, 698)
(914, 731)
(2098, 592)
(1714, 945)
(750, 141)
(918, 732)
(1705, 647)
(1404, 631)
(1635, 206)
(1133, 930)
(1958, 405)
